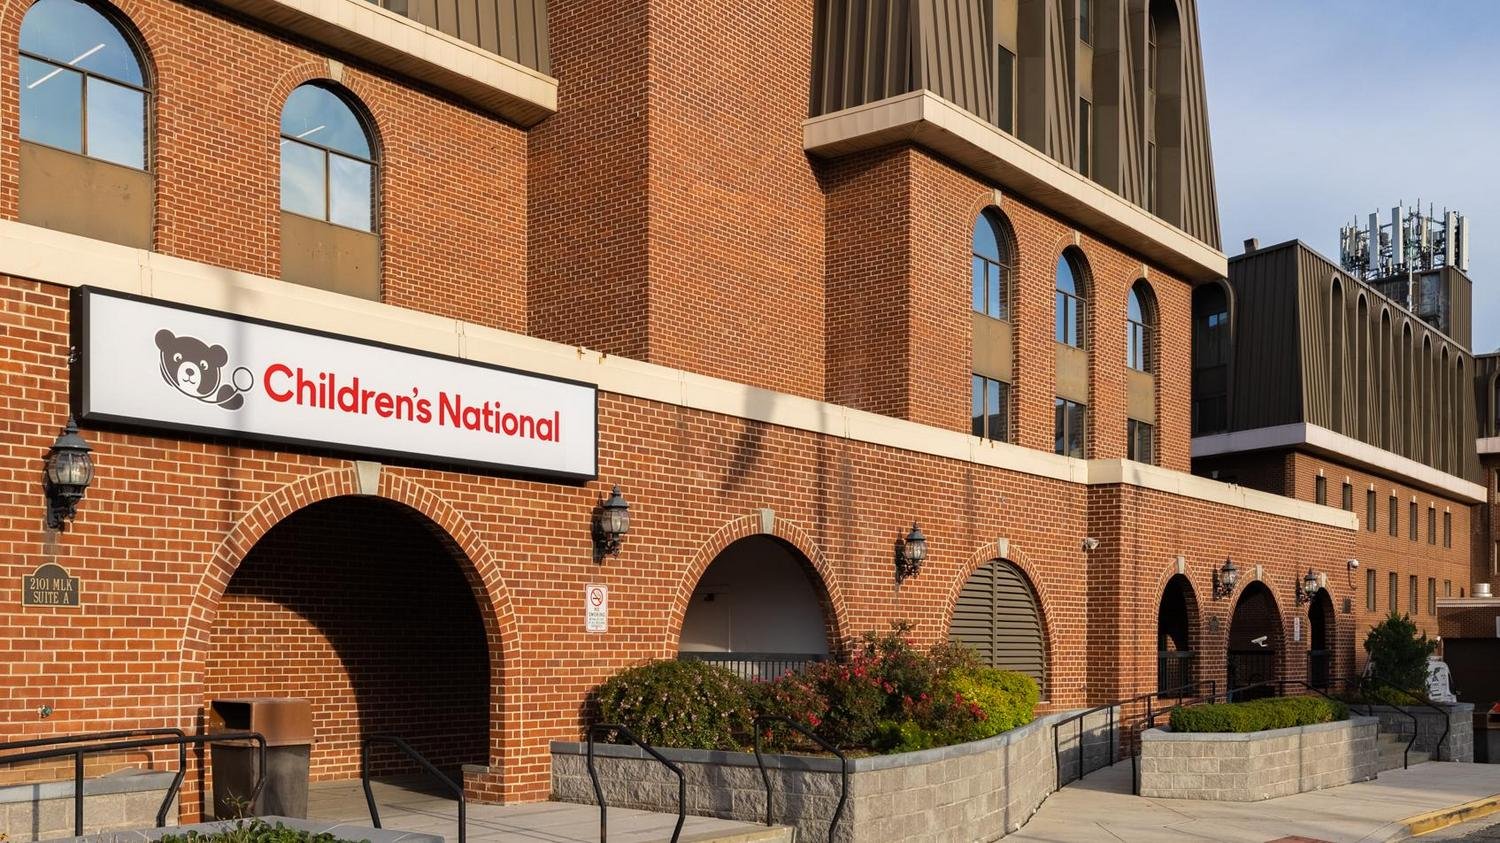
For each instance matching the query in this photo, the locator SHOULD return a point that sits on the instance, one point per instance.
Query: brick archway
(451, 529)
(794, 536)
(1017, 557)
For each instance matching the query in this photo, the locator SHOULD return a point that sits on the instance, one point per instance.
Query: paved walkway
(1100, 808)
(409, 805)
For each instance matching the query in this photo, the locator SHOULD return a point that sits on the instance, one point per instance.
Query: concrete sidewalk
(1100, 808)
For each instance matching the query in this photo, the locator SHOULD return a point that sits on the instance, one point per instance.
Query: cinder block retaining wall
(981, 790)
(1258, 765)
(110, 803)
(1457, 746)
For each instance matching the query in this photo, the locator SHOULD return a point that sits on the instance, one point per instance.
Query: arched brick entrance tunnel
(1256, 645)
(1177, 638)
(361, 606)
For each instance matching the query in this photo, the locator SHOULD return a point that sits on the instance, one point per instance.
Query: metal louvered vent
(997, 615)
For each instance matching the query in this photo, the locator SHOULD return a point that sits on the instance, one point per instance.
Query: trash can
(287, 727)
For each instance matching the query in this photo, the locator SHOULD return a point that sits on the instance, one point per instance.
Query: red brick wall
(459, 251)
(357, 606)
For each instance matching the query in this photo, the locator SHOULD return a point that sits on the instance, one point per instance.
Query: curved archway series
(1255, 644)
(1177, 637)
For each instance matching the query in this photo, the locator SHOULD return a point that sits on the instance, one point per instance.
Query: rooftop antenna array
(1410, 243)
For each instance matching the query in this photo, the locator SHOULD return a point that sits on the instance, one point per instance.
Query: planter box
(342, 831)
(1252, 766)
(1457, 746)
(980, 790)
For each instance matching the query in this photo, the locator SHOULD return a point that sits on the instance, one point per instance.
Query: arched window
(1072, 293)
(1163, 110)
(1141, 327)
(1337, 360)
(991, 265)
(83, 88)
(327, 159)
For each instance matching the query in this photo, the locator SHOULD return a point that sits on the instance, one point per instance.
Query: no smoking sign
(596, 608)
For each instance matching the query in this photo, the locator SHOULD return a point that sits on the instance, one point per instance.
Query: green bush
(1398, 655)
(1258, 715)
(684, 704)
(1007, 699)
(253, 831)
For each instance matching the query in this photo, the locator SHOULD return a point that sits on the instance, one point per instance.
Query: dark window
(1085, 138)
(1370, 510)
(1447, 588)
(1140, 439)
(1432, 525)
(1411, 596)
(1394, 600)
(1140, 327)
(1348, 500)
(1086, 21)
(1320, 490)
(990, 408)
(1005, 89)
(82, 86)
(327, 164)
(1071, 296)
(1431, 596)
(1447, 529)
(1414, 524)
(1370, 589)
(1211, 344)
(1069, 421)
(990, 266)
(1394, 516)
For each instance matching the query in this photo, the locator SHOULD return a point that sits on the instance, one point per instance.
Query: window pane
(75, 34)
(994, 408)
(1061, 333)
(51, 105)
(117, 124)
(318, 115)
(1075, 430)
(303, 179)
(1077, 323)
(976, 404)
(1059, 422)
(350, 192)
(1370, 590)
(977, 280)
(997, 301)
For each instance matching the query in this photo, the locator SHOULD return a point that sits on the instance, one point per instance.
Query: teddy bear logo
(196, 369)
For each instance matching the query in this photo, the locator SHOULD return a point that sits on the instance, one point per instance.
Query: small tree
(1398, 654)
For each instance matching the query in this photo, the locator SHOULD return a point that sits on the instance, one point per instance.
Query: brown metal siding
(997, 615)
(513, 29)
(1267, 380)
(1486, 370)
(869, 50)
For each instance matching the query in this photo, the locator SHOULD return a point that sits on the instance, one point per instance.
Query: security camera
(1353, 564)
(1090, 544)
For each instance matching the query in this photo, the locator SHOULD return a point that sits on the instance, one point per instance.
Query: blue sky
(1322, 110)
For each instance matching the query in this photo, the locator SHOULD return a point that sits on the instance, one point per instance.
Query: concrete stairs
(1392, 748)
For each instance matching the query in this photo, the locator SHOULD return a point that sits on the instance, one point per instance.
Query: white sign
(146, 363)
(596, 608)
(1296, 627)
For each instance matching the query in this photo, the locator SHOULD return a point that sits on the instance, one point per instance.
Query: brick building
(954, 287)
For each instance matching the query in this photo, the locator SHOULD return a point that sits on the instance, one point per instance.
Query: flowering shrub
(690, 705)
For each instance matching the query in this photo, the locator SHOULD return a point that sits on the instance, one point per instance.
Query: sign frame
(80, 316)
(595, 621)
(58, 571)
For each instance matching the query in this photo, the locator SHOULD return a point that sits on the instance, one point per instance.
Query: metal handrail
(605, 728)
(166, 803)
(808, 733)
(1280, 685)
(364, 775)
(155, 738)
(1110, 707)
(1447, 723)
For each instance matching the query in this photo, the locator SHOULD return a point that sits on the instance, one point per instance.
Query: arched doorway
(363, 607)
(759, 609)
(1321, 622)
(999, 616)
(1176, 623)
(1255, 644)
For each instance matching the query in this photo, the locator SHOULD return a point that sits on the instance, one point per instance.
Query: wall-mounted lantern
(611, 523)
(1225, 580)
(69, 472)
(1311, 585)
(910, 554)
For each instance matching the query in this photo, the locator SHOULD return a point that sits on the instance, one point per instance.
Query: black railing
(765, 777)
(1174, 669)
(1250, 671)
(364, 777)
(121, 741)
(606, 728)
(1278, 688)
(751, 666)
(1421, 700)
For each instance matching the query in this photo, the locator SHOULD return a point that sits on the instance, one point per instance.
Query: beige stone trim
(361, 28)
(65, 259)
(928, 120)
(1490, 445)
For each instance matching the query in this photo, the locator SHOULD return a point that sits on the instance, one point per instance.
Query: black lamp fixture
(611, 523)
(910, 554)
(69, 472)
(1225, 579)
(1311, 585)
